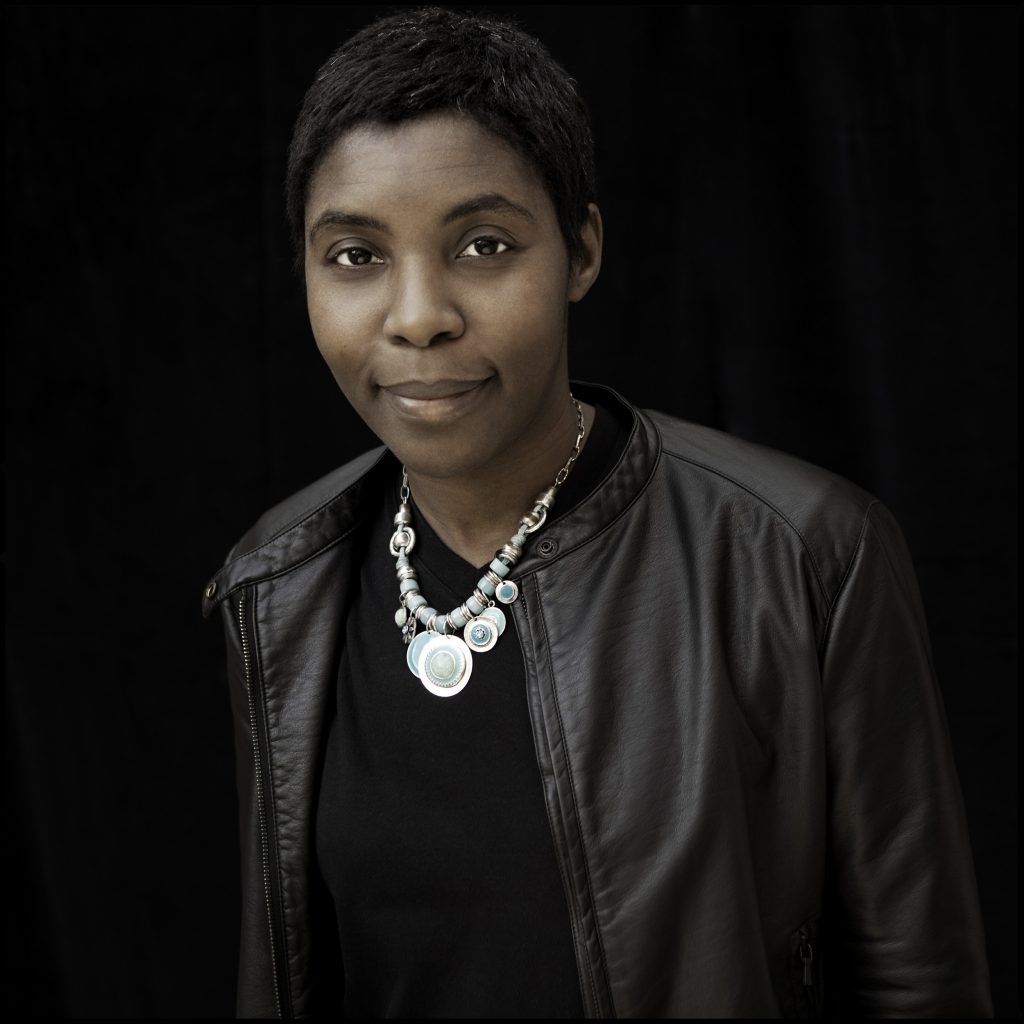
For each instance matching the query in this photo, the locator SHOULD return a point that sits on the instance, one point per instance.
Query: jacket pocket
(805, 969)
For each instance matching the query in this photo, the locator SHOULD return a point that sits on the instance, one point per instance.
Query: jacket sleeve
(903, 931)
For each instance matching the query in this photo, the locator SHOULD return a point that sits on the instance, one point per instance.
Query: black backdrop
(810, 219)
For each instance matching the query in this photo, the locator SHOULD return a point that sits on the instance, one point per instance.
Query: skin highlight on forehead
(446, 157)
(483, 203)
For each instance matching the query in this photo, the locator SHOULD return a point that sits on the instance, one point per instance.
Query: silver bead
(547, 498)
(402, 540)
(509, 554)
(403, 517)
(533, 521)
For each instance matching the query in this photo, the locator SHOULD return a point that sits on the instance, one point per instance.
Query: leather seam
(575, 808)
(303, 516)
(607, 526)
(241, 585)
(630, 438)
(826, 632)
(764, 501)
(273, 802)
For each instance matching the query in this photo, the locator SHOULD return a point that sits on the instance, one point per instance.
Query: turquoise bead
(486, 586)
(474, 606)
(406, 585)
(458, 619)
(423, 614)
(415, 602)
(499, 568)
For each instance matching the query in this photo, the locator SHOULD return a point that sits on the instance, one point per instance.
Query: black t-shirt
(431, 830)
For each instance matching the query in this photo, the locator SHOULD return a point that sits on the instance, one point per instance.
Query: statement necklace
(442, 661)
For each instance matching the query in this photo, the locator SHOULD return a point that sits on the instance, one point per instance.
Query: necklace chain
(441, 660)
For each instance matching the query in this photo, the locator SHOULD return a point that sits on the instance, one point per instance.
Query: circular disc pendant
(506, 592)
(481, 633)
(445, 665)
(415, 650)
(499, 617)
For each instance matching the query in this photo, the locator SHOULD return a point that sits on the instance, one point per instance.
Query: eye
(357, 257)
(488, 245)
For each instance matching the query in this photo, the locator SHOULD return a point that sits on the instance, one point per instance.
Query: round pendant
(415, 650)
(481, 633)
(506, 592)
(499, 617)
(445, 665)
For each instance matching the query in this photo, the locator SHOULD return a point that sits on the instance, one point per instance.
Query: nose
(421, 308)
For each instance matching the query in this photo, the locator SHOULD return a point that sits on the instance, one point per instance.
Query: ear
(581, 277)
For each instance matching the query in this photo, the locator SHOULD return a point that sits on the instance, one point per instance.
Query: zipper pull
(807, 958)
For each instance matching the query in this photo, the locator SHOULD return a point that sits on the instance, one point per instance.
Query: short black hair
(432, 59)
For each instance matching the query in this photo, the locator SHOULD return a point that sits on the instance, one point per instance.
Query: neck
(475, 515)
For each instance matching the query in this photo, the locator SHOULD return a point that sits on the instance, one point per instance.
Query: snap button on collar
(211, 589)
(547, 547)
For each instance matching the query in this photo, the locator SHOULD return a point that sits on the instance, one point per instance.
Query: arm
(904, 932)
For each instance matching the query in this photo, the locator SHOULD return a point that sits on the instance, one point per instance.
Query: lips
(427, 390)
(435, 403)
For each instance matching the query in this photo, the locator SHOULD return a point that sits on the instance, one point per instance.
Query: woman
(552, 706)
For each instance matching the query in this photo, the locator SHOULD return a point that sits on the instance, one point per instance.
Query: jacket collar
(324, 514)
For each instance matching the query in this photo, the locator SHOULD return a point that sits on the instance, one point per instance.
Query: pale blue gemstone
(444, 666)
(480, 633)
(423, 614)
(506, 592)
(474, 606)
(406, 585)
(499, 568)
(415, 602)
(486, 586)
(458, 619)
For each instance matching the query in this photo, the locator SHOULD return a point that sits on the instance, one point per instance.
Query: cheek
(341, 329)
(527, 325)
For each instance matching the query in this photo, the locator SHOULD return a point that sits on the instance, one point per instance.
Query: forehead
(420, 166)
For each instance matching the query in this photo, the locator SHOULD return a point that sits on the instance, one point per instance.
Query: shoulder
(304, 525)
(306, 503)
(825, 513)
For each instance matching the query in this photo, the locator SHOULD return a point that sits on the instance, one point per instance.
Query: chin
(438, 463)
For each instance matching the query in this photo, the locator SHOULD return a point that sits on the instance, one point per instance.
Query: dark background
(810, 218)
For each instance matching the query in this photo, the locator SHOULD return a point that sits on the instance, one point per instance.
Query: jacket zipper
(807, 958)
(264, 840)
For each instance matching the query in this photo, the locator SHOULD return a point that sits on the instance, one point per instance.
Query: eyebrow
(485, 202)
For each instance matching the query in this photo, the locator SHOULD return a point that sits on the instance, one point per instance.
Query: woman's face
(438, 284)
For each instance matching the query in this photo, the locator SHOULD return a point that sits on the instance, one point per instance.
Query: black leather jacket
(744, 751)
